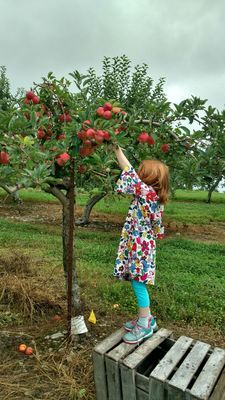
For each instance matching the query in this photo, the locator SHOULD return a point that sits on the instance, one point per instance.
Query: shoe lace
(136, 329)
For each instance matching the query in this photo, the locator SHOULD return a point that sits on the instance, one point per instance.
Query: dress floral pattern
(137, 248)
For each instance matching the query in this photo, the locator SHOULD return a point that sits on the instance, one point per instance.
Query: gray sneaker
(128, 326)
(138, 334)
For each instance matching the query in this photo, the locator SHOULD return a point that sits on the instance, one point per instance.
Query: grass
(37, 195)
(190, 279)
(198, 195)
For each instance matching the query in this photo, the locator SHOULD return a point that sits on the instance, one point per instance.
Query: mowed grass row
(189, 206)
(190, 275)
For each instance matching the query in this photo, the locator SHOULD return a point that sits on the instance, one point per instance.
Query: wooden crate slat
(113, 380)
(143, 350)
(100, 377)
(171, 359)
(208, 376)
(219, 391)
(121, 351)
(128, 383)
(111, 341)
(185, 372)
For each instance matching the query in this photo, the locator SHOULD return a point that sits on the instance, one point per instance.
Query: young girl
(137, 249)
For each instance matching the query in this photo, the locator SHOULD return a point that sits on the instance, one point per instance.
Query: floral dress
(137, 248)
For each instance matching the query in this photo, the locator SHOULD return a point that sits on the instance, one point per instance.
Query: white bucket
(78, 325)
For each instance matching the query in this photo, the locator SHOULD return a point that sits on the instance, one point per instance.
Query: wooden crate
(158, 369)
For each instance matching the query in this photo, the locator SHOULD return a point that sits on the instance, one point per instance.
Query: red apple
(151, 141)
(35, 99)
(99, 136)
(107, 107)
(26, 101)
(85, 151)
(65, 117)
(165, 148)
(4, 157)
(86, 122)
(90, 133)
(107, 114)
(143, 137)
(87, 143)
(62, 159)
(107, 136)
(68, 117)
(29, 95)
(61, 136)
(81, 135)
(100, 111)
(40, 134)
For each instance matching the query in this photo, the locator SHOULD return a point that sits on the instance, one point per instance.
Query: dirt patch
(211, 233)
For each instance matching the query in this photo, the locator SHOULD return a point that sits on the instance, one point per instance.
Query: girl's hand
(112, 146)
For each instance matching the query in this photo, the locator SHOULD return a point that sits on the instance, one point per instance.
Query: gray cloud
(182, 41)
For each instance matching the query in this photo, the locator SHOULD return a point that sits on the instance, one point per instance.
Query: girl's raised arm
(122, 159)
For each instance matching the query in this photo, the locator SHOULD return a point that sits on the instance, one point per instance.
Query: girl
(137, 249)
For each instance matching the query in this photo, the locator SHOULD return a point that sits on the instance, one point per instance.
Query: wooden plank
(205, 382)
(113, 380)
(100, 377)
(121, 351)
(187, 369)
(144, 349)
(219, 391)
(128, 383)
(112, 359)
(171, 359)
(108, 343)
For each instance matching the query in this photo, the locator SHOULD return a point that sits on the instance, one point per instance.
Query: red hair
(156, 174)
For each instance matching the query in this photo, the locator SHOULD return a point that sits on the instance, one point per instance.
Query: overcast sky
(182, 41)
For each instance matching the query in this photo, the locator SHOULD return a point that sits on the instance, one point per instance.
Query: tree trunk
(65, 237)
(88, 207)
(212, 188)
(64, 200)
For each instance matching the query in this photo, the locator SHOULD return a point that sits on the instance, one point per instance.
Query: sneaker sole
(140, 340)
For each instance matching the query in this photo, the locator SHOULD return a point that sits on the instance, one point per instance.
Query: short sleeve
(128, 182)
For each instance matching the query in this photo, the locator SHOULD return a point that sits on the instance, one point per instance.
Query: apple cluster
(31, 98)
(91, 138)
(144, 137)
(107, 110)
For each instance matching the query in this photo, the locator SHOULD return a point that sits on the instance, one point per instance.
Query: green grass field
(190, 279)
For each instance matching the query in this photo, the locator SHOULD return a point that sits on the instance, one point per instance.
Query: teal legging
(141, 293)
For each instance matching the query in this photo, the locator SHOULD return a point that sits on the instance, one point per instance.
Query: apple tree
(54, 138)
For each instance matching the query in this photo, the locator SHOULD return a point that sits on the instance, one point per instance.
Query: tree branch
(58, 194)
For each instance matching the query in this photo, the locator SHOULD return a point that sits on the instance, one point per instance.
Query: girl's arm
(122, 159)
